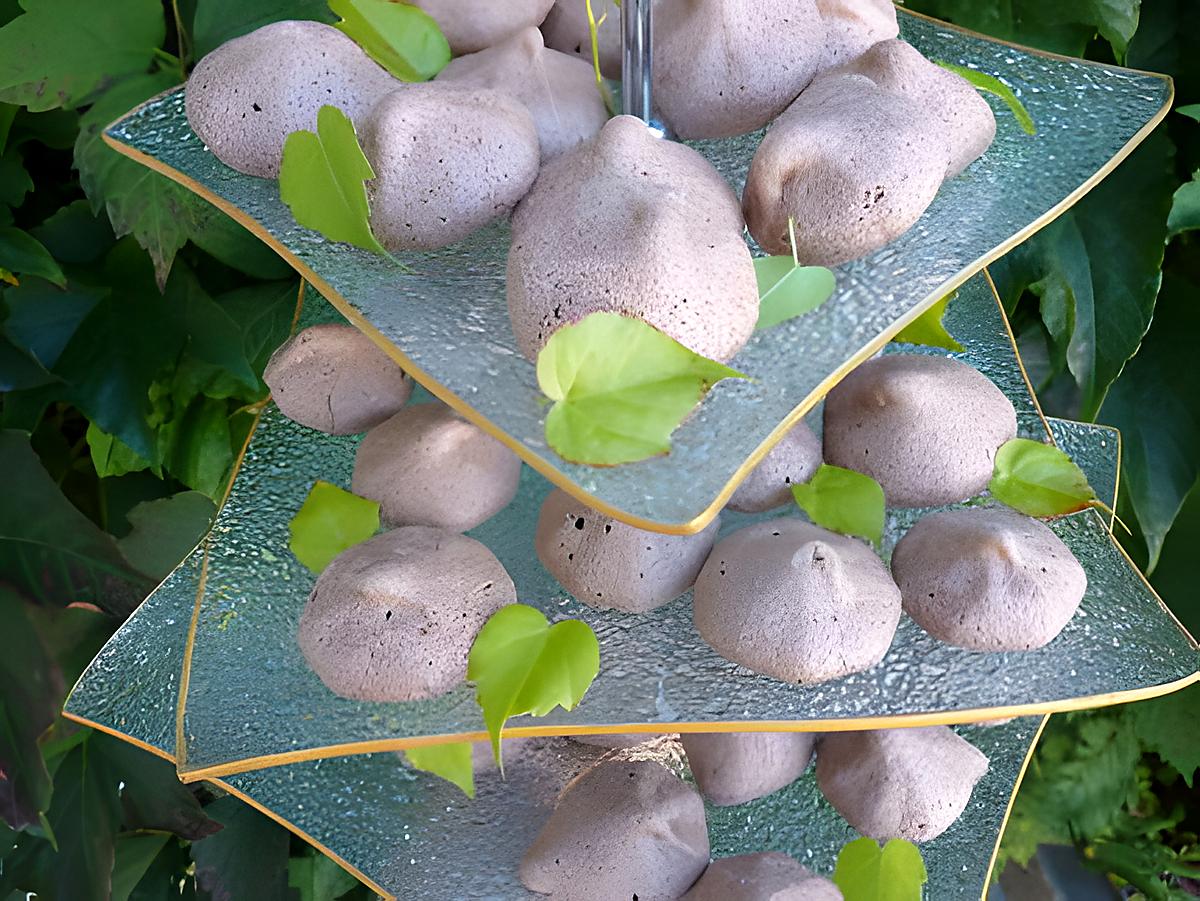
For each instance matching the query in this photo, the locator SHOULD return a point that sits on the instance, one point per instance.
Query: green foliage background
(135, 322)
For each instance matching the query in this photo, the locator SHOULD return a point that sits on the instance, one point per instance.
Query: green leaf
(989, 84)
(84, 814)
(134, 855)
(620, 387)
(218, 21)
(866, 872)
(1169, 727)
(160, 214)
(1082, 777)
(1185, 208)
(42, 319)
(248, 858)
(1159, 418)
(1039, 480)
(165, 530)
(28, 706)
(60, 52)
(843, 501)
(1064, 26)
(15, 182)
(929, 330)
(403, 39)
(318, 878)
(1192, 111)
(59, 554)
(263, 315)
(111, 456)
(76, 235)
(451, 762)
(1098, 269)
(22, 254)
(330, 521)
(219, 236)
(786, 290)
(322, 180)
(153, 797)
(196, 445)
(8, 112)
(521, 664)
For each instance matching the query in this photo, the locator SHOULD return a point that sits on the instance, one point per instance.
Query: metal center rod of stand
(637, 62)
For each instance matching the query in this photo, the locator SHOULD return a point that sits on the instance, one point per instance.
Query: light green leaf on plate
(330, 521)
(1039, 480)
(322, 180)
(451, 762)
(403, 39)
(866, 872)
(991, 85)
(843, 501)
(787, 290)
(521, 664)
(929, 330)
(620, 388)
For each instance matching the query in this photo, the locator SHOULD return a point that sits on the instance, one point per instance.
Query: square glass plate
(252, 699)
(446, 321)
(409, 835)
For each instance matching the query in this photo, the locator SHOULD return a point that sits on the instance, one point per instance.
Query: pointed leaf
(246, 859)
(1039, 480)
(929, 330)
(330, 521)
(843, 501)
(323, 177)
(403, 39)
(134, 855)
(1192, 111)
(85, 814)
(317, 878)
(22, 254)
(60, 52)
(620, 387)
(786, 290)
(865, 872)
(989, 84)
(451, 762)
(521, 664)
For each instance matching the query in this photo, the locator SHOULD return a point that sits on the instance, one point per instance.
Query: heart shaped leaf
(866, 872)
(843, 501)
(521, 664)
(451, 762)
(620, 387)
(929, 330)
(322, 180)
(787, 290)
(330, 521)
(403, 39)
(1040, 480)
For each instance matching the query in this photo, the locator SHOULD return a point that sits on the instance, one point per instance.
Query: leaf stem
(180, 40)
(792, 240)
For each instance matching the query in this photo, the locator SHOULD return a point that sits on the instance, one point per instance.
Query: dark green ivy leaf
(160, 214)
(134, 855)
(1159, 417)
(248, 858)
(165, 530)
(61, 52)
(218, 21)
(59, 555)
(28, 706)
(1098, 269)
(318, 878)
(1169, 727)
(22, 254)
(85, 815)
(153, 797)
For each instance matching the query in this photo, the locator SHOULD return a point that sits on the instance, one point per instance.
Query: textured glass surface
(132, 686)
(448, 317)
(252, 695)
(416, 837)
